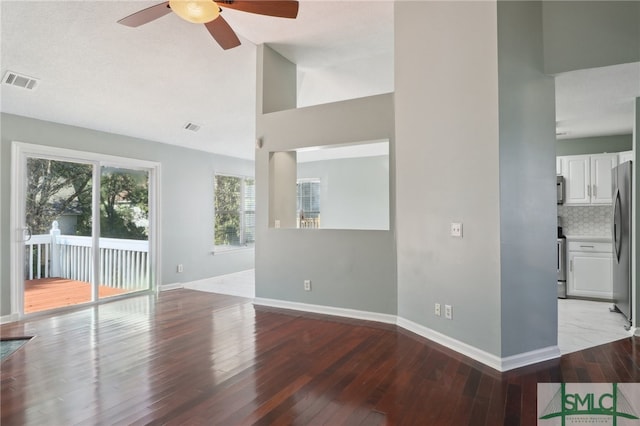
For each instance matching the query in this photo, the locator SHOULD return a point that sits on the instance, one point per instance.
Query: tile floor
(584, 324)
(581, 323)
(241, 284)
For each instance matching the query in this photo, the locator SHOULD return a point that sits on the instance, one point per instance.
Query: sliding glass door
(58, 252)
(85, 227)
(124, 230)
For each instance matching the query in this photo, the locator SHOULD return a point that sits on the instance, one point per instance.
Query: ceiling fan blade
(146, 15)
(278, 8)
(222, 32)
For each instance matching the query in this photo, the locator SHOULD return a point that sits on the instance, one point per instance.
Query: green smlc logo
(587, 404)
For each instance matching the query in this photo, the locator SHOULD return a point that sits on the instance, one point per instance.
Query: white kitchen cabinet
(601, 166)
(588, 178)
(590, 270)
(576, 179)
(623, 156)
(559, 166)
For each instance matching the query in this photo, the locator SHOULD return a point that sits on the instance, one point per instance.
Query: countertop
(593, 238)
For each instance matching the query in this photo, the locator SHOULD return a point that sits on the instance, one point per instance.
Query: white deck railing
(37, 260)
(124, 264)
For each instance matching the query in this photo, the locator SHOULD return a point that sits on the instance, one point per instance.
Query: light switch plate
(456, 229)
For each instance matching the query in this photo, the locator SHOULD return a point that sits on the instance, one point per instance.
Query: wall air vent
(20, 80)
(192, 126)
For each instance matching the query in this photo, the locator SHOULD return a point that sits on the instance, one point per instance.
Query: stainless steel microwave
(560, 189)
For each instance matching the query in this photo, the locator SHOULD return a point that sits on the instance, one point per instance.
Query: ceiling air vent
(192, 126)
(20, 80)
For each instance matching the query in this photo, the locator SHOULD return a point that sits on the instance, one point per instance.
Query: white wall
(447, 167)
(358, 78)
(354, 192)
(186, 195)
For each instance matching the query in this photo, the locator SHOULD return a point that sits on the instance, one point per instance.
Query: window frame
(299, 197)
(305, 221)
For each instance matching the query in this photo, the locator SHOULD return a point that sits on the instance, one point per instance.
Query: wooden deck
(186, 357)
(50, 293)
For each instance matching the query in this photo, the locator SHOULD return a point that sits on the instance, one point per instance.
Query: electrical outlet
(456, 229)
(276, 224)
(307, 285)
(448, 312)
(180, 268)
(436, 310)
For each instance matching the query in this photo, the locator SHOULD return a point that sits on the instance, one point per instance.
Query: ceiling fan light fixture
(196, 11)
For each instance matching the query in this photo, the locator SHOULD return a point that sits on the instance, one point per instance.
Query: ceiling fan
(207, 12)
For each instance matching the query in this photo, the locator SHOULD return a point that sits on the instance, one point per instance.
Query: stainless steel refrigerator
(622, 238)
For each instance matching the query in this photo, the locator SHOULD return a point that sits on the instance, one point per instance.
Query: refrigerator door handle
(617, 219)
(560, 256)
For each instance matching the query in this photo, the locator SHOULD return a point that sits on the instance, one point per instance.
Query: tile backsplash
(586, 220)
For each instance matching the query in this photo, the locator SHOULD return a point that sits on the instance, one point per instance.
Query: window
(308, 202)
(235, 212)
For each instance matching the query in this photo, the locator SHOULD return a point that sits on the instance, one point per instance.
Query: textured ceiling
(147, 82)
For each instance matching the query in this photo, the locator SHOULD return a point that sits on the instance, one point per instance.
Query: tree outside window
(234, 199)
(56, 189)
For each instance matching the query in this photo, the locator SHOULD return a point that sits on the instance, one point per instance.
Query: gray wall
(590, 34)
(186, 195)
(282, 184)
(527, 181)
(348, 269)
(281, 91)
(636, 220)
(594, 145)
(354, 192)
(477, 139)
(447, 167)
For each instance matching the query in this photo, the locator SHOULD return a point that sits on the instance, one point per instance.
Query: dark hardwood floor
(194, 358)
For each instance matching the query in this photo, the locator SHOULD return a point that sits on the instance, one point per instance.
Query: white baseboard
(531, 357)
(327, 310)
(9, 318)
(488, 359)
(172, 286)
